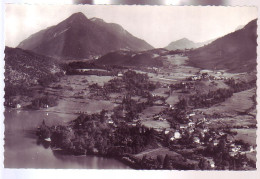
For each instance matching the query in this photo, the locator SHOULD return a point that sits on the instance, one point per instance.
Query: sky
(157, 25)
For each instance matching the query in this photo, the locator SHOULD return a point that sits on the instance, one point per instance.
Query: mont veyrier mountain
(79, 37)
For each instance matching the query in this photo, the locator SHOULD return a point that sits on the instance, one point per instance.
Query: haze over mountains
(80, 37)
(185, 43)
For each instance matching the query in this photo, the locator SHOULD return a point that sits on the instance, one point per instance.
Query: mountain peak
(80, 37)
(185, 40)
(181, 44)
(95, 19)
(77, 16)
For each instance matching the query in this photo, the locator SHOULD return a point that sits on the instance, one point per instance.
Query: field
(73, 94)
(156, 124)
(153, 153)
(146, 118)
(247, 135)
(161, 92)
(173, 99)
(238, 103)
(233, 121)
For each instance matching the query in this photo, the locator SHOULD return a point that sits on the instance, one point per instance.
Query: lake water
(23, 151)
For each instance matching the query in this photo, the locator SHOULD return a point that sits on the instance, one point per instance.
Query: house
(110, 122)
(177, 135)
(235, 148)
(192, 114)
(191, 124)
(232, 154)
(95, 150)
(159, 102)
(202, 134)
(156, 117)
(196, 140)
(48, 139)
(166, 132)
(162, 119)
(172, 138)
(211, 162)
(120, 74)
(215, 142)
(158, 129)
(135, 120)
(191, 131)
(251, 149)
(18, 106)
(183, 126)
(221, 133)
(205, 130)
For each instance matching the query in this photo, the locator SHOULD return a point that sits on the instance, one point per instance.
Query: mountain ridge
(234, 52)
(185, 43)
(80, 37)
(26, 68)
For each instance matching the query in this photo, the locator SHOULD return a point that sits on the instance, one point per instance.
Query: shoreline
(122, 159)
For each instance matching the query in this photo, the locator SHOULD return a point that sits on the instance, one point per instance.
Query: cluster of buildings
(205, 75)
(200, 134)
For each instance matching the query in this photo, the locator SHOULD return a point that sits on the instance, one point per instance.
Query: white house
(183, 126)
(172, 138)
(191, 131)
(48, 139)
(192, 114)
(166, 132)
(177, 135)
(205, 130)
(18, 106)
(212, 163)
(110, 122)
(120, 74)
(196, 140)
(190, 124)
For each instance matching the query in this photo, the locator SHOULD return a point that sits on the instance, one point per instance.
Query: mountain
(80, 37)
(185, 43)
(239, 27)
(151, 58)
(235, 52)
(25, 68)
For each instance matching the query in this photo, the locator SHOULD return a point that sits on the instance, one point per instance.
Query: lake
(23, 150)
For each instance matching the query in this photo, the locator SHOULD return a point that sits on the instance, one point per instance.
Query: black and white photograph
(130, 87)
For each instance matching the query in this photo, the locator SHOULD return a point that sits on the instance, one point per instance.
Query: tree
(43, 131)
(103, 115)
(204, 164)
(166, 162)
(182, 104)
(160, 160)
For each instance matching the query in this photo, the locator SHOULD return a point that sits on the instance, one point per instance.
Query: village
(178, 129)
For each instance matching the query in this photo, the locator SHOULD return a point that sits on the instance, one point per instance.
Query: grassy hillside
(235, 52)
(24, 69)
(127, 58)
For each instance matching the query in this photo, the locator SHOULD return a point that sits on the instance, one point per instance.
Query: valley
(88, 89)
(153, 102)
